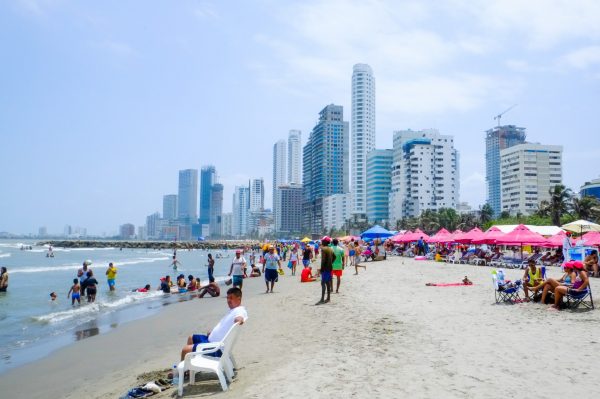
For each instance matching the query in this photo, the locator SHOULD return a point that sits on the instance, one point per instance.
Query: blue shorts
(271, 275)
(75, 296)
(351, 252)
(111, 282)
(203, 339)
(237, 280)
(306, 262)
(326, 277)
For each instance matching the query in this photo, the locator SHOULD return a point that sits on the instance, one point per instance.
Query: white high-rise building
(336, 210)
(424, 173)
(363, 132)
(294, 157)
(527, 172)
(257, 195)
(241, 203)
(279, 170)
(227, 224)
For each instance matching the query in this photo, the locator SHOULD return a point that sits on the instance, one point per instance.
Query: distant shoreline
(149, 244)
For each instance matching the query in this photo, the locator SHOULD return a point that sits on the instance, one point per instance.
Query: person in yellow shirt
(111, 273)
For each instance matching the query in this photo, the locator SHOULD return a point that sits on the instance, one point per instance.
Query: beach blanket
(446, 284)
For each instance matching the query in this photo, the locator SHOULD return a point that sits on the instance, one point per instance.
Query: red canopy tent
(410, 237)
(439, 235)
(490, 236)
(556, 240)
(450, 238)
(520, 236)
(592, 239)
(468, 237)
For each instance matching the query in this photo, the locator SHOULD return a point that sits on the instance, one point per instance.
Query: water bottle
(175, 375)
(500, 276)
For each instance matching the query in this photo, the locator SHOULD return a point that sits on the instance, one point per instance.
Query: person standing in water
(3, 280)
(111, 273)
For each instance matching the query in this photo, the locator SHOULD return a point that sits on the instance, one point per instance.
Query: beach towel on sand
(446, 284)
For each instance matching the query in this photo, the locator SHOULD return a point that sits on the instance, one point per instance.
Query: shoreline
(385, 335)
(182, 245)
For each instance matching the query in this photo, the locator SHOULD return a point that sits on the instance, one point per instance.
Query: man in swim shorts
(111, 273)
(237, 314)
(338, 264)
(75, 292)
(327, 259)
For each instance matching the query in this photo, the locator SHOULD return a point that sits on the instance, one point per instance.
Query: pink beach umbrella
(451, 238)
(592, 239)
(468, 237)
(556, 240)
(437, 236)
(490, 236)
(397, 238)
(411, 237)
(520, 236)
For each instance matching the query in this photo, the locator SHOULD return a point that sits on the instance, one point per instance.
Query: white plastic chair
(198, 361)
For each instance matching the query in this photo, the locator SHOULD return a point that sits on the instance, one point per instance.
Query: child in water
(74, 292)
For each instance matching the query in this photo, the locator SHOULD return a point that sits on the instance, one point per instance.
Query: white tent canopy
(546, 231)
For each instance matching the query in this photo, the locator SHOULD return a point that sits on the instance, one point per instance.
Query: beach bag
(290, 264)
(280, 271)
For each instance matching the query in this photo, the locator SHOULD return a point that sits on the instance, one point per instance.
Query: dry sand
(386, 335)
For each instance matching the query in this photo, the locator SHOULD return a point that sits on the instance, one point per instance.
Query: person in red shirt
(306, 275)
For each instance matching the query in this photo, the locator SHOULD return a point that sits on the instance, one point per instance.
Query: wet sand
(385, 335)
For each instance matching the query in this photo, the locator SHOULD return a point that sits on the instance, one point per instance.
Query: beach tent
(581, 226)
(489, 237)
(466, 238)
(546, 231)
(305, 240)
(440, 234)
(376, 232)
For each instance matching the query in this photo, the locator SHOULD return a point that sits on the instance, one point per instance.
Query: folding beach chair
(583, 298)
(506, 292)
(532, 295)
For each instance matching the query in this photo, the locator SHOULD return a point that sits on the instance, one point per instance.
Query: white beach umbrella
(581, 226)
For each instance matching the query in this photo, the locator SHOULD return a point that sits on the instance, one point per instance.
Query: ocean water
(31, 325)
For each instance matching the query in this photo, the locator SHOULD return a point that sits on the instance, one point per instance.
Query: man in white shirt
(238, 269)
(237, 314)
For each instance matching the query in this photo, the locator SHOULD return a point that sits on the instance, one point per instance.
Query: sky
(103, 102)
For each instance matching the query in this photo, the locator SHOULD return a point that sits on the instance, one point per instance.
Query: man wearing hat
(327, 258)
(270, 268)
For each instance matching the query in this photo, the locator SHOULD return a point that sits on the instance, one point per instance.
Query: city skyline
(99, 121)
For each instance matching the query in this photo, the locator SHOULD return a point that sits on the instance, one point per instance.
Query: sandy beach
(386, 335)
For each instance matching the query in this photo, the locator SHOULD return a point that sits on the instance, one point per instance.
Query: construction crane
(500, 115)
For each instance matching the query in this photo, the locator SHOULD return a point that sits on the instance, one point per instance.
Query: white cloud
(583, 58)
(538, 23)
(205, 10)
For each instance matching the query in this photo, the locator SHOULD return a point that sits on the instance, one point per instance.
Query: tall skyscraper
(528, 171)
(241, 205)
(279, 172)
(294, 157)
(363, 132)
(424, 173)
(187, 207)
(153, 225)
(325, 165)
(216, 210)
(379, 185)
(497, 139)
(170, 207)
(207, 179)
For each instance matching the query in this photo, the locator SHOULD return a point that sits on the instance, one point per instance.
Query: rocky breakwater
(150, 244)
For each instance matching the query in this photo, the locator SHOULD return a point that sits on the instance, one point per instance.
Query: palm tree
(560, 197)
(584, 207)
(486, 213)
(543, 209)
